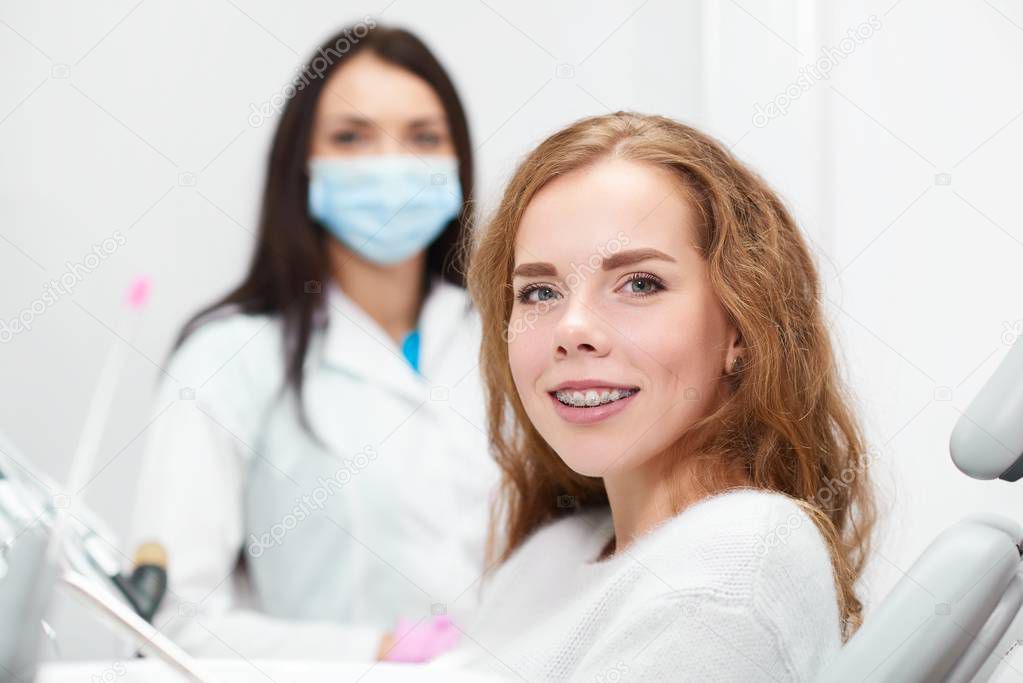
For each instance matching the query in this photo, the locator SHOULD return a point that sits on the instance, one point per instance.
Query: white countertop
(266, 671)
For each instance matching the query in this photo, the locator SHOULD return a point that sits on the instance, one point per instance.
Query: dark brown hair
(291, 248)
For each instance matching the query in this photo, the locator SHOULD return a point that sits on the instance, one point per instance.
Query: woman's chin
(590, 464)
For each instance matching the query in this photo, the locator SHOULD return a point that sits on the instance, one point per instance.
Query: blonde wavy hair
(786, 421)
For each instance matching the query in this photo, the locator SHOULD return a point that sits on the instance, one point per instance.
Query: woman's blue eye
(543, 293)
(640, 286)
(644, 285)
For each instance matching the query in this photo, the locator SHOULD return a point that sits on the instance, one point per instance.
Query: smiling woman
(666, 417)
(647, 321)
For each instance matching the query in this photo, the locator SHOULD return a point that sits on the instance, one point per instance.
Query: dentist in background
(317, 468)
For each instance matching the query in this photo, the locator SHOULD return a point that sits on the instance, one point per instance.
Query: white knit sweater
(738, 587)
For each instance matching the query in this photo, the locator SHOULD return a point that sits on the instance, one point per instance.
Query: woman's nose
(392, 145)
(580, 332)
(385, 139)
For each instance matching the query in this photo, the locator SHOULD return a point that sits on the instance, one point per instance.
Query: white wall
(134, 117)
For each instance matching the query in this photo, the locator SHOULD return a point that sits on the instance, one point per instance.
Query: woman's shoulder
(225, 327)
(228, 352)
(222, 330)
(742, 572)
(785, 576)
(736, 542)
(746, 512)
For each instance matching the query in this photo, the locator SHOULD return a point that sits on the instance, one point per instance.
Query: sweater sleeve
(690, 637)
(794, 592)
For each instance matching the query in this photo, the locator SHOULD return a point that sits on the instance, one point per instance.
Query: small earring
(735, 364)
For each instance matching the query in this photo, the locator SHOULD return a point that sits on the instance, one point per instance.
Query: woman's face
(612, 301)
(371, 107)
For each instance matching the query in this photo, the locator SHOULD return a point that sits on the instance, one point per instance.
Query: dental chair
(953, 615)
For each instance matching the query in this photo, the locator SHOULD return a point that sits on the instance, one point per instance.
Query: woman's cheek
(521, 359)
(676, 335)
(657, 348)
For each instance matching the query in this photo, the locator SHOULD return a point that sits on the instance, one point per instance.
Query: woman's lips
(589, 415)
(584, 384)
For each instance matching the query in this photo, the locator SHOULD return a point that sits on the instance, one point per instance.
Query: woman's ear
(736, 351)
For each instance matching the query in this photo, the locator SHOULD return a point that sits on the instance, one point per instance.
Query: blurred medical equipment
(43, 541)
(953, 614)
(91, 569)
(28, 500)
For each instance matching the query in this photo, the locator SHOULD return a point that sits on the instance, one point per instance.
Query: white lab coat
(389, 520)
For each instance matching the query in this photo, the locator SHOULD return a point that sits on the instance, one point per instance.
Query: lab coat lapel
(356, 344)
(443, 323)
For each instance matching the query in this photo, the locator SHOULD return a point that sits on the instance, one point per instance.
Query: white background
(902, 167)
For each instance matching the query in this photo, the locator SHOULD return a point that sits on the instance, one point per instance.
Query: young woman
(317, 468)
(684, 488)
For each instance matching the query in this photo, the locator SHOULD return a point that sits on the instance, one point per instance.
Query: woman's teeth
(592, 397)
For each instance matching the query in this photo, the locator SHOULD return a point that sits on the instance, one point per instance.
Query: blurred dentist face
(371, 107)
(616, 341)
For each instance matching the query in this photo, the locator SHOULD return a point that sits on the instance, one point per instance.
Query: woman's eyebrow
(352, 120)
(619, 260)
(535, 270)
(627, 258)
(424, 121)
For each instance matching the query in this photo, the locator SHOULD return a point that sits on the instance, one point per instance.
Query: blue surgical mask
(385, 208)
